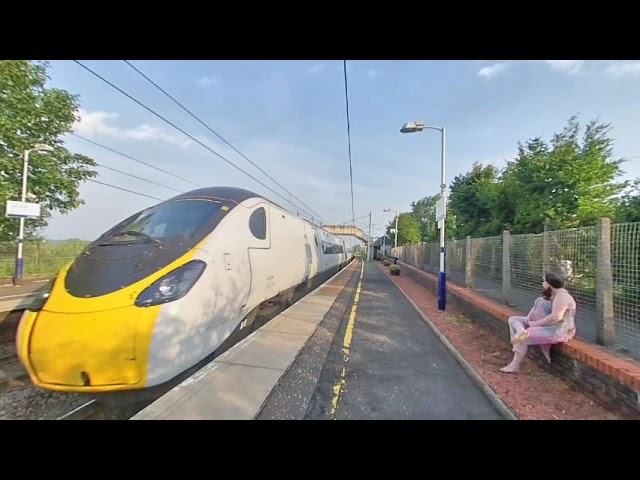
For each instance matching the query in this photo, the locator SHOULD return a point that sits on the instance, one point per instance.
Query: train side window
(258, 223)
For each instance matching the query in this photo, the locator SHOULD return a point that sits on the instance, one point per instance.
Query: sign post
(24, 209)
(21, 210)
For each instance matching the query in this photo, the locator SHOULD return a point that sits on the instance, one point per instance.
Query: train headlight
(173, 286)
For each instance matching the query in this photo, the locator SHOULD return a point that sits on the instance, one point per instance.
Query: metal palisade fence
(600, 264)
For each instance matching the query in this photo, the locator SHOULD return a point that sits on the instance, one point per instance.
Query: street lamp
(412, 127)
(392, 210)
(38, 147)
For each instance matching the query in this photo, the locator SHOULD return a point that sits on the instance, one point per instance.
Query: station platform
(353, 349)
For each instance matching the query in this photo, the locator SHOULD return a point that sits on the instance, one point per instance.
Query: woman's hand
(560, 305)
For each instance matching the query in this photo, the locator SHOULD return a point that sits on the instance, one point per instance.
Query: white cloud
(621, 68)
(492, 70)
(316, 68)
(92, 124)
(209, 80)
(569, 67)
(614, 68)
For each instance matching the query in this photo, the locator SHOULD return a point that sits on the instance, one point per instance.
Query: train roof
(234, 194)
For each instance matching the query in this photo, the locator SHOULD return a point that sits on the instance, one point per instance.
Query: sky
(289, 118)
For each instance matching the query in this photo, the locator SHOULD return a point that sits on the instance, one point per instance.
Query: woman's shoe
(520, 338)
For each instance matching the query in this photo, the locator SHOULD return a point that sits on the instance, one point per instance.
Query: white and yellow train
(163, 289)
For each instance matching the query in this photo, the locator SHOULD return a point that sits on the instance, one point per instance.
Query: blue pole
(442, 290)
(442, 277)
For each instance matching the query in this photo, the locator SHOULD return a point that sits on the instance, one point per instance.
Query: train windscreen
(165, 220)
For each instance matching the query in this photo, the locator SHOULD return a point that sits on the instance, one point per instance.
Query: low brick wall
(613, 380)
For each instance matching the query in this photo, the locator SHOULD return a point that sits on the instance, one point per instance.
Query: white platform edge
(239, 400)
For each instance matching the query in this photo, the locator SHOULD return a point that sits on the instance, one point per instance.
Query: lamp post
(369, 240)
(19, 270)
(396, 236)
(412, 127)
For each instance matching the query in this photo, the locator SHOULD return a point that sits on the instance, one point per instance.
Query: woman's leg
(517, 327)
(546, 351)
(519, 352)
(543, 336)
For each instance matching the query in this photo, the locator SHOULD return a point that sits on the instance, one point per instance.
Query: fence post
(36, 260)
(545, 246)
(468, 264)
(606, 329)
(493, 262)
(506, 266)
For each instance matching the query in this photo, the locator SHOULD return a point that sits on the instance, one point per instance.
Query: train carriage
(163, 289)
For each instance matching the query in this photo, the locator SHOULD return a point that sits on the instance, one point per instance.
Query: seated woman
(557, 326)
(541, 308)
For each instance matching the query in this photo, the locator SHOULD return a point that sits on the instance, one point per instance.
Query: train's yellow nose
(84, 351)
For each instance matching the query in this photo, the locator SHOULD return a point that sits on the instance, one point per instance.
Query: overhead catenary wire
(346, 95)
(354, 220)
(139, 178)
(134, 176)
(217, 134)
(126, 190)
(183, 132)
(135, 159)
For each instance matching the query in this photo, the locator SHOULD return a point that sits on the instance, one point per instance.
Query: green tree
(629, 207)
(472, 200)
(424, 211)
(31, 113)
(408, 229)
(568, 181)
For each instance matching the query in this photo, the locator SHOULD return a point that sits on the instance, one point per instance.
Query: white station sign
(441, 210)
(22, 209)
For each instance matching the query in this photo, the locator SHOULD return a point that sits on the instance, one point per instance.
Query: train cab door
(308, 254)
(319, 250)
(262, 266)
(342, 255)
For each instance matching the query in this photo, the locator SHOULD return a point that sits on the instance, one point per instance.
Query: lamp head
(412, 127)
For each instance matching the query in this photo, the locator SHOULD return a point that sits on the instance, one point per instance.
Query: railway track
(89, 411)
(12, 374)
(9, 325)
(8, 357)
